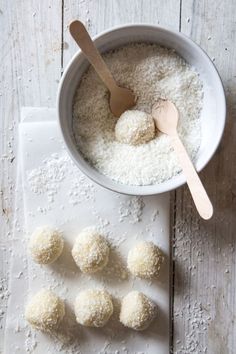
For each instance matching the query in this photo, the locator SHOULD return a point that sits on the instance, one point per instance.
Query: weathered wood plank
(99, 15)
(205, 302)
(205, 297)
(30, 56)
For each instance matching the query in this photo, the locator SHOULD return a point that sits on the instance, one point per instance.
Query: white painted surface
(204, 298)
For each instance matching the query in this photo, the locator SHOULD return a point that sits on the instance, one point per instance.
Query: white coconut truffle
(90, 251)
(45, 311)
(45, 245)
(134, 128)
(144, 260)
(93, 307)
(137, 311)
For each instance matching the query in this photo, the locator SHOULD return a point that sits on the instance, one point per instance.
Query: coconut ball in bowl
(135, 128)
(154, 63)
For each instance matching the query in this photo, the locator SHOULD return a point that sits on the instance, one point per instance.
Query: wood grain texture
(30, 52)
(205, 277)
(99, 15)
(33, 35)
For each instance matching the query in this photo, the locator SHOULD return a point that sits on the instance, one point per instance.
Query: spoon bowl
(121, 98)
(166, 116)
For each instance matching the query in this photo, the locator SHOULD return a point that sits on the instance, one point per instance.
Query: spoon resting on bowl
(121, 98)
(166, 116)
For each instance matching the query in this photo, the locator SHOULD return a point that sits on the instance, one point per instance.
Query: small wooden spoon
(121, 98)
(166, 116)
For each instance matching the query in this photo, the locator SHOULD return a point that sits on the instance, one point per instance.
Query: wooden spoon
(121, 98)
(166, 116)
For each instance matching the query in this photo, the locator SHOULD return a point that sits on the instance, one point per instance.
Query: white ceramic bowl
(212, 116)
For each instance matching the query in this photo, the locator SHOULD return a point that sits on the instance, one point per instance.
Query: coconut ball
(93, 307)
(45, 245)
(137, 311)
(134, 128)
(144, 260)
(90, 251)
(45, 311)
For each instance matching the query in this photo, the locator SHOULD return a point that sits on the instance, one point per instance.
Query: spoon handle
(84, 41)
(198, 192)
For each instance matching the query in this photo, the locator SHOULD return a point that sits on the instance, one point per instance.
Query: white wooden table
(35, 47)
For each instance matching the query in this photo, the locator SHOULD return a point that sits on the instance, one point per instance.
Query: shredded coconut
(45, 310)
(135, 128)
(152, 72)
(145, 260)
(198, 321)
(132, 208)
(137, 311)
(45, 245)
(48, 177)
(90, 251)
(30, 342)
(93, 307)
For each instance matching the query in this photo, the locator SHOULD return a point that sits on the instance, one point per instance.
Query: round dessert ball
(144, 260)
(45, 245)
(134, 128)
(45, 311)
(93, 307)
(137, 311)
(90, 251)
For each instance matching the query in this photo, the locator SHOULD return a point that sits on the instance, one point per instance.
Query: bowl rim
(143, 189)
